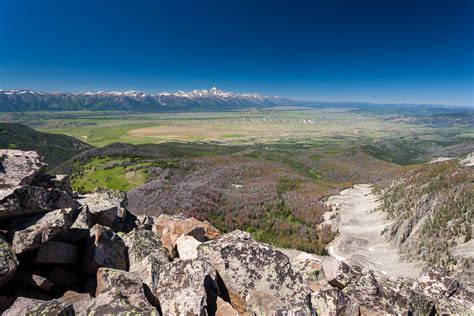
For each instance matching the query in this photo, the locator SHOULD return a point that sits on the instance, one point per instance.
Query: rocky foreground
(66, 254)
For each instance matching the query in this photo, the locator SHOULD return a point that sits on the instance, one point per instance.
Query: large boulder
(448, 295)
(60, 182)
(338, 273)
(32, 232)
(143, 244)
(80, 301)
(107, 208)
(187, 287)
(120, 292)
(18, 167)
(8, 262)
(170, 228)
(145, 254)
(21, 306)
(258, 278)
(104, 249)
(363, 291)
(187, 247)
(30, 306)
(52, 307)
(27, 200)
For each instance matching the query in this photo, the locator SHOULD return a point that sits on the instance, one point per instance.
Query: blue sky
(381, 51)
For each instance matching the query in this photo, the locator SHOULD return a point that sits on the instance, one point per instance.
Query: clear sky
(361, 50)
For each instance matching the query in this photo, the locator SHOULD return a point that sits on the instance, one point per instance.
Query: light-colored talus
(360, 241)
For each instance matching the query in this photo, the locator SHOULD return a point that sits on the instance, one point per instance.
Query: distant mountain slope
(54, 148)
(213, 99)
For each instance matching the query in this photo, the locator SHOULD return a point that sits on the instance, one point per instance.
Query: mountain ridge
(212, 99)
(29, 100)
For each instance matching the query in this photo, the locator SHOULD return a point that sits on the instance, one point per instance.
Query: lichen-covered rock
(8, 262)
(18, 167)
(107, 208)
(124, 290)
(21, 306)
(448, 295)
(329, 301)
(56, 252)
(338, 273)
(187, 287)
(32, 232)
(145, 255)
(187, 247)
(28, 200)
(53, 307)
(258, 278)
(143, 244)
(169, 228)
(308, 265)
(80, 301)
(104, 249)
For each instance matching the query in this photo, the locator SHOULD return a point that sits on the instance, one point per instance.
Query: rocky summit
(65, 254)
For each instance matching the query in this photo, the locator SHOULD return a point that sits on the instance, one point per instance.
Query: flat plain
(250, 126)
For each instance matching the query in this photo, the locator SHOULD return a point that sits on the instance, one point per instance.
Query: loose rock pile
(87, 255)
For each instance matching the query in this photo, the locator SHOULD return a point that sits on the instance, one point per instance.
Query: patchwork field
(103, 128)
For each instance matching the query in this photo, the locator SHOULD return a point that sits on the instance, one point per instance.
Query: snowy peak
(213, 92)
(212, 99)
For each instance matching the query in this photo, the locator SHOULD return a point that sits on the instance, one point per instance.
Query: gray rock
(27, 200)
(145, 255)
(449, 296)
(107, 208)
(187, 247)
(32, 232)
(80, 301)
(8, 262)
(53, 307)
(187, 287)
(60, 182)
(104, 249)
(56, 252)
(143, 244)
(21, 306)
(258, 278)
(120, 292)
(18, 167)
(338, 273)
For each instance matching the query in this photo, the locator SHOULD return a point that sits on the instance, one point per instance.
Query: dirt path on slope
(360, 241)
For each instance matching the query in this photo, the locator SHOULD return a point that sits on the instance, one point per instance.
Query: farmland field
(298, 124)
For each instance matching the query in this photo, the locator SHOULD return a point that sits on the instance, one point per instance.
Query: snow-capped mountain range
(212, 99)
